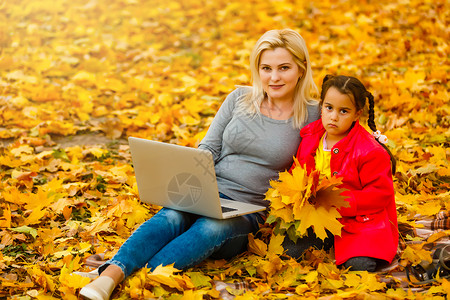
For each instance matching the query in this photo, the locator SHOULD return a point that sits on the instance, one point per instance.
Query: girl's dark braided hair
(357, 92)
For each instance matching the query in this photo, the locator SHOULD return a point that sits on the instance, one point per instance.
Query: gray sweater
(250, 151)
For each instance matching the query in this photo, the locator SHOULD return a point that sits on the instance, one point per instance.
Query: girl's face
(279, 74)
(338, 114)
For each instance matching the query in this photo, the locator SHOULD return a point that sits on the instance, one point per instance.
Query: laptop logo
(184, 190)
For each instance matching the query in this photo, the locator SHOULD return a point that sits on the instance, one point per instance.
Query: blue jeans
(184, 239)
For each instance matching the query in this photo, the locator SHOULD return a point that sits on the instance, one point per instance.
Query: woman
(252, 138)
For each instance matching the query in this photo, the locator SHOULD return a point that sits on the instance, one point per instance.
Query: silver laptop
(181, 178)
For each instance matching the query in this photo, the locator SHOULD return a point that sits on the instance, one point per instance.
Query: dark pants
(296, 250)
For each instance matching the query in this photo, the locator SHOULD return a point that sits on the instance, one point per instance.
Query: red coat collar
(316, 129)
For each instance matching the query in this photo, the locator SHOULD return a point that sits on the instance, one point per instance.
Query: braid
(371, 123)
(371, 120)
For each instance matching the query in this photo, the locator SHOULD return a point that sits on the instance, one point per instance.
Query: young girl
(337, 145)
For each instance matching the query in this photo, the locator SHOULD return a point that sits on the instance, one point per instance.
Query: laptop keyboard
(227, 209)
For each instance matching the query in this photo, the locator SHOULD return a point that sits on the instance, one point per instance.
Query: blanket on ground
(392, 274)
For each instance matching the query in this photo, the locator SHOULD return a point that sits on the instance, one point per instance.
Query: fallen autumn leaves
(159, 69)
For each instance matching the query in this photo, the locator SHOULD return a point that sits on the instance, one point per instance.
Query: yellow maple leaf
(312, 276)
(40, 199)
(305, 200)
(54, 185)
(275, 246)
(331, 284)
(21, 150)
(276, 200)
(329, 270)
(436, 290)
(439, 155)
(301, 289)
(165, 275)
(13, 195)
(97, 152)
(398, 293)
(370, 282)
(138, 214)
(69, 279)
(41, 278)
(35, 217)
(413, 79)
(352, 280)
(431, 208)
(320, 219)
(189, 120)
(10, 161)
(415, 254)
(438, 235)
(272, 264)
(100, 224)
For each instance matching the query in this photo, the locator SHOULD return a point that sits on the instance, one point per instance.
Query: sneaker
(90, 293)
(99, 289)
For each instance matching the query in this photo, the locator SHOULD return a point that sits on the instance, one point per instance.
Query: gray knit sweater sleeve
(250, 151)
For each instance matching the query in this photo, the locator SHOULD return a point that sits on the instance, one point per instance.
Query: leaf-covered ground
(156, 69)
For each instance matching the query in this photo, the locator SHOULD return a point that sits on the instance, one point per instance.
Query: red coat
(370, 223)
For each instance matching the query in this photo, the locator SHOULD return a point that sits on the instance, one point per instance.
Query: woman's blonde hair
(305, 89)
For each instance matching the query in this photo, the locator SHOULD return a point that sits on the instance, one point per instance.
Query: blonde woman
(253, 137)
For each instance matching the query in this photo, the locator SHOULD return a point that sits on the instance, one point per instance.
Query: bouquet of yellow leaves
(299, 201)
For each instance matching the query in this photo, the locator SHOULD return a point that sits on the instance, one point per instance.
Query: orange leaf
(67, 211)
(256, 246)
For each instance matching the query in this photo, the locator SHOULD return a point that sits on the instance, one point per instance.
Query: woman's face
(338, 114)
(279, 74)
